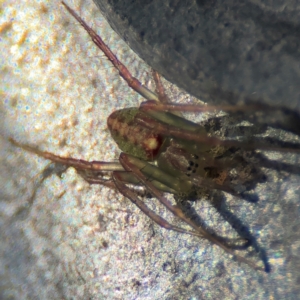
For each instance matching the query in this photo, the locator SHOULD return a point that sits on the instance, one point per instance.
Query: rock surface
(219, 51)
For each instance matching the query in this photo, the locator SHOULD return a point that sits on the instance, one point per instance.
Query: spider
(166, 153)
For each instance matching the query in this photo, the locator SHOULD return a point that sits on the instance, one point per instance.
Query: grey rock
(220, 51)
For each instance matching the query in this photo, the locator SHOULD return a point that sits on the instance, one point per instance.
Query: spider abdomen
(131, 137)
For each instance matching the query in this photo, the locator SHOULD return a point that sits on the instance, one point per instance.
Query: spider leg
(78, 164)
(132, 82)
(167, 127)
(120, 178)
(90, 170)
(160, 91)
(131, 195)
(127, 162)
(109, 183)
(193, 108)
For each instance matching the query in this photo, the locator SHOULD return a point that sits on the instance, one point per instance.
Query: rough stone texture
(219, 51)
(62, 238)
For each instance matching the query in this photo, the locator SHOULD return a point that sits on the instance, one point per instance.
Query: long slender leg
(160, 91)
(109, 183)
(131, 195)
(79, 164)
(195, 108)
(93, 171)
(175, 131)
(126, 163)
(116, 183)
(90, 170)
(123, 71)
